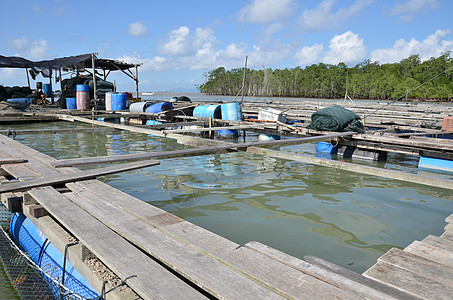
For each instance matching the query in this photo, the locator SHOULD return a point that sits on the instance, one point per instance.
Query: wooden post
(28, 78)
(243, 80)
(94, 82)
(51, 88)
(136, 80)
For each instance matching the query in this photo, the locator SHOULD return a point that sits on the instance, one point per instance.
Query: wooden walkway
(122, 236)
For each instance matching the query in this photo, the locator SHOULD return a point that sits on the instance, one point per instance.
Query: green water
(346, 218)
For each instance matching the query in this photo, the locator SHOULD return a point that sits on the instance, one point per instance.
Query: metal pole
(94, 82)
(243, 79)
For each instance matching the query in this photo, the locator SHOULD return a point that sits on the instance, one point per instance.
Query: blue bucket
(119, 101)
(71, 103)
(159, 107)
(324, 147)
(204, 111)
(231, 112)
(47, 89)
(44, 254)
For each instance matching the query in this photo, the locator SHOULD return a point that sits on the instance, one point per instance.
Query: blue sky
(178, 41)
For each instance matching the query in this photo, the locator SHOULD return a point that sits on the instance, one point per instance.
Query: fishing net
(336, 118)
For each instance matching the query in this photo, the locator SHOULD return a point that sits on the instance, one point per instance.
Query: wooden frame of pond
(156, 255)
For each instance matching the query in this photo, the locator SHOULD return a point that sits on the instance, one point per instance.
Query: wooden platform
(169, 257)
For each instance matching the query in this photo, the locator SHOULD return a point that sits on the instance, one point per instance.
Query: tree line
(408, 79)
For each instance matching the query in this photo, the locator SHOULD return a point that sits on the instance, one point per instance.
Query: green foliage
(409, 79)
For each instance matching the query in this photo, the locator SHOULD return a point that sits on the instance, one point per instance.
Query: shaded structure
(78, 63)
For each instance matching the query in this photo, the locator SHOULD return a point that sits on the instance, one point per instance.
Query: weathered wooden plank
(56, 130)
(337, 276)
(418, 179)
(439, 242)
(431, 252)
(21, 172)
(268, 271)
(152, 281)
(426, 288)
(418, 264)
(438, 145)
(82, 175)
(449, 219)
(11, 160)
(222, 146)
(210, 129)
(198, 267)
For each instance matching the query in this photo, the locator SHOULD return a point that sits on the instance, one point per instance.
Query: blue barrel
(159, 107)
(45, 255)
(71, 103)
(83, 96)
(152, 122)
(231, 112)
(47, 89)
(119, 101)
(204, 111)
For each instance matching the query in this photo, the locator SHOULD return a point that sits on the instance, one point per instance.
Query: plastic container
(139, 106)
(435, 164)
(159, 107)
(232, 112)
(271, 114)
(83, 96)
(324, 147)
(204, 111)
(71, 103)
(152, 122)
(45, 255)
(47, 89)
(108, 100)
(20, 102)
(119, 101)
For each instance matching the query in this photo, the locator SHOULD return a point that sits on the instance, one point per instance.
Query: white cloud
(157, 63)
(265, 11)
(433, 46)
(411, 7)
(178, 43)
(322, 17)
(29, 48)
(136, 29)
(273, 28)
(347, 48)
(268, 54)
(309, 55)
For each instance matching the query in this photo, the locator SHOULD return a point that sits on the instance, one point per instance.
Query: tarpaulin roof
(73, 62)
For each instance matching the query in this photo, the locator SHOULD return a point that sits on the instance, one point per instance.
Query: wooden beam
(82, 175)
(197, 151)
(417, 179)
(11, 160)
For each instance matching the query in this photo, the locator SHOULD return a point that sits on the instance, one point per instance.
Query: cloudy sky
(178, 41)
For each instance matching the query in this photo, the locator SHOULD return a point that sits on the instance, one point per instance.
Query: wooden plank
(418, 264)
(11, 160)
(82, 175)
(211, 129)
(152, 281)
(223, 146)
(449, 219)
(418, 179)
(338, 276)
(259, 267)
(196, 266)
(431, 252)
(426, 288)
(439, 242)
(55, 130)
(437, 145)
